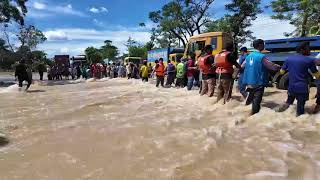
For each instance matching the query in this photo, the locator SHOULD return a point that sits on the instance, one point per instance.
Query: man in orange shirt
(159, 69)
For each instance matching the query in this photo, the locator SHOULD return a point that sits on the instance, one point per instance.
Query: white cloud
(41, 10)
(103, 9)
(98, 10)
(94, 10)
(64, 50)
(75, 40)
(39, 5)
(55, 35)
(98, 23)
(67, 9)
(264, 27)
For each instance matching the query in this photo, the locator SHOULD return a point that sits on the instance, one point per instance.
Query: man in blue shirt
(298, 66)
(255, 75)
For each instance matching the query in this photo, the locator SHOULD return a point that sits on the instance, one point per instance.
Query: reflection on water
(119, 129)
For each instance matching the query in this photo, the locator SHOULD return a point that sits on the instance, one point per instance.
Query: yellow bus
(216, 39)
(134, 60)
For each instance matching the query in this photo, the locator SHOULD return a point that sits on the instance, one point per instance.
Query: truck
(79, 60)
(216, 39)
(169, 53)
(135, 60)
(277, 50)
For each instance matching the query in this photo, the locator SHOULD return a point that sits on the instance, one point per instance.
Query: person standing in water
(129, 70)
(224, 62)
(41, 70)
(317, 108)
(159, 69)
(191, 71)
(241, 86)
(171, 73)
(144, 72)
(22, 75)
(298, 67)
(206, 64)
(256, 75)
(180, 73)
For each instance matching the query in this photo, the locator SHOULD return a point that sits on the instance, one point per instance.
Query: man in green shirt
(180, 73)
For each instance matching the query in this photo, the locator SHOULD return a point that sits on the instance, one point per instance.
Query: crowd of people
(210, 73)
(95, 70)
(218, 72)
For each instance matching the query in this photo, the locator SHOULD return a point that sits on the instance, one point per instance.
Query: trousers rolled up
(208, 87)
(224, 89)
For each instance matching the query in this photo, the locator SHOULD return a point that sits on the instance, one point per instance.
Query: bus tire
(276, 79)
(284, 82)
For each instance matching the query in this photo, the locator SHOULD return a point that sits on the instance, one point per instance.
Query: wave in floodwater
(126, 129)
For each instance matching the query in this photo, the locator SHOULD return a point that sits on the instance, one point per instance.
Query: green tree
(30, 36)
(149, 45)
(138, 51)
(96, 57)
(108, 51)
(242, 13)
(39, 55)
(303, 14)
(13, 10)
(91, 54)
(130, 42)
(181, 18)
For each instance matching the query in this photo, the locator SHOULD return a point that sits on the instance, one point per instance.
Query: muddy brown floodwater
(126, 130)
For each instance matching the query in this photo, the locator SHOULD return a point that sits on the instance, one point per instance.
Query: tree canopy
(108, 50)
(303, 14)
(240, 15)
(93, 55)
(13, 10)
(181, 19)
(30, 36)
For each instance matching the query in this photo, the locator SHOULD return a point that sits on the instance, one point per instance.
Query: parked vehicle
(279, 49)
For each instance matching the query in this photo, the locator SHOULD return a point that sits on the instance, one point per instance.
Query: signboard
(156, 54)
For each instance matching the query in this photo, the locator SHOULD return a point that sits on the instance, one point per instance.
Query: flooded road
(126, 130)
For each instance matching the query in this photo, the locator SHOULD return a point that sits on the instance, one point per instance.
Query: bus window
(191, 48)
(174, 58)
(214, 42)
(200, 45)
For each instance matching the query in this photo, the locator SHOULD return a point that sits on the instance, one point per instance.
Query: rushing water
(119, 129)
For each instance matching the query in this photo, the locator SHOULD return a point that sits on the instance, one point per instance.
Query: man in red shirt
(191, 67)
(206, 64)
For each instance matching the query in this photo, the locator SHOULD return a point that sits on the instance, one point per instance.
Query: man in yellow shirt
(144, 72)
